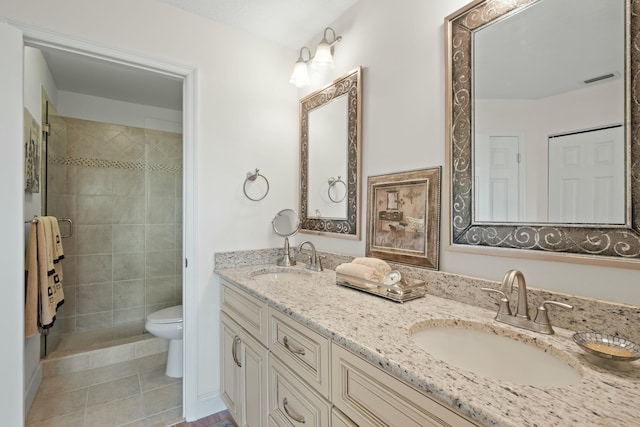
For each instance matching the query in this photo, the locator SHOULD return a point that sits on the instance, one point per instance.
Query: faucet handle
(542, 316)
(504, 308)
(320, 258)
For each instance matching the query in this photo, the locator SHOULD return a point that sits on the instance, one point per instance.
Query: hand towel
(31, 284)
(380, 267)
(57, 254)
(358, 272)
(46, 300)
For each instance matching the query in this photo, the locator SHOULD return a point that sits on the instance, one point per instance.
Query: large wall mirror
(330, 152)
(542, 123)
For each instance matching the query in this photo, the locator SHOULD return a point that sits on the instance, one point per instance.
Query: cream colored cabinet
(244, 377)
(338, 419)
(293, 402)
(371, 397)
(278, 372)
(243, 339)
(303, 350)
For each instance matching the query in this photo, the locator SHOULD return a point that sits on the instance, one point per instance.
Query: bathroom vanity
(298, 347)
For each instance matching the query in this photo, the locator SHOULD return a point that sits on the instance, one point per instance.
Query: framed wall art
(403, 217)
(31, 153)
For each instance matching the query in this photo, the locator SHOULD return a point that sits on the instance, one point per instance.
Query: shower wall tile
(128, 266)
(161, 237)
(122, 186)
(72, 180)
(128, 210)
(68, 324)
(69, 301)
(94, 239)
(128, 293)
(69, 270)
(94, 269)
(128, 238)
(161, 210)
(161, 184)
(94, 182)
(56, 178)
(95, 209)
(160, 264)
(129, 183)
(128, 315)
(88, 322)
(160, 290)
(92, 299)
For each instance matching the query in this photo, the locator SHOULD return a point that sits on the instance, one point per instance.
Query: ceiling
(291, 23)
(553, 47)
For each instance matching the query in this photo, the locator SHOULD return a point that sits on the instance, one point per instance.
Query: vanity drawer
(306, 352)
(292, 401)
(248, 311)
(372, 397)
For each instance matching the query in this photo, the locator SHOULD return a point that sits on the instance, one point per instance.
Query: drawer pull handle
(234, 351)
(295, 417)
(291, 348)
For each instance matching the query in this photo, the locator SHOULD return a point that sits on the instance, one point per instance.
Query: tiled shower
(122, 188)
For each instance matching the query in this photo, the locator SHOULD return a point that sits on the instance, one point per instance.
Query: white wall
(36, 78)
(247, 118)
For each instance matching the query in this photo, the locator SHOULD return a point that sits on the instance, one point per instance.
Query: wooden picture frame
(410, 233)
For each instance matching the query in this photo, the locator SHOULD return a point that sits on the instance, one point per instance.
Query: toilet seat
(167, 315)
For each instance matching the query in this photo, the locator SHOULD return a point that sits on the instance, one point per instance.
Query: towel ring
(332, 182)
(252, 176)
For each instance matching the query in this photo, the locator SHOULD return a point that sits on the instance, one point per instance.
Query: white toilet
(167, 323)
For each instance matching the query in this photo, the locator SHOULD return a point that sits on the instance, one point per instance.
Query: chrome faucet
(315, 262)
(521, 318)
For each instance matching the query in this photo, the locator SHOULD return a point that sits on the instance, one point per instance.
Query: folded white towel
(380, 267)
(358, 273)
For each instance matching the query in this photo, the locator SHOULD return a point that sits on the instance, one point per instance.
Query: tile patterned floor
(136, 393)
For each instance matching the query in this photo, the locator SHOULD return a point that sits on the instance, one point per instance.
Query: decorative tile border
(113, 164)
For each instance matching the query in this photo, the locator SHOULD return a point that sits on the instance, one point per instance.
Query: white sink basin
(280, 275)
(466, 346)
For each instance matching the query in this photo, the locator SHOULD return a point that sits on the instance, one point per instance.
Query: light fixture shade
(323, 59)
(300, 75)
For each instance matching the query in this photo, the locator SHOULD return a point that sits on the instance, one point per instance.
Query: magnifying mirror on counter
(286, 223)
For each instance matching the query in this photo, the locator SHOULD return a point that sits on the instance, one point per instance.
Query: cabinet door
(254, 378)
(292, 402)
(243, 375)
(230, 371)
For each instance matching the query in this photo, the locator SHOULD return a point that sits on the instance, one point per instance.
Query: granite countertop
(378, 330)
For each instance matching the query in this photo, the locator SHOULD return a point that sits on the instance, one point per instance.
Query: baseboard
(32, 389)
(208, 405)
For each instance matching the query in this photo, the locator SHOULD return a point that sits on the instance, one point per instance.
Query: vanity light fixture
(322, 60)
(300, 75)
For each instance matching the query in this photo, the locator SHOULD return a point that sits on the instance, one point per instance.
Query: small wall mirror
(542, 147)
(330, 152)
(286, 223)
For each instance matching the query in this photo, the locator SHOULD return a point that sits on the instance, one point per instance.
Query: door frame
(38, 37)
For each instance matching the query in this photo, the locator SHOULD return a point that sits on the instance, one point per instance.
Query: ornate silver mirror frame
(349, 85)
(614, 245)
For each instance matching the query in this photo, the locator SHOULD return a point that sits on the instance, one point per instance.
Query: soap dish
(611, 347)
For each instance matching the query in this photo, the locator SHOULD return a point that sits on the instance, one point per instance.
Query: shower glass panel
(122, 188)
